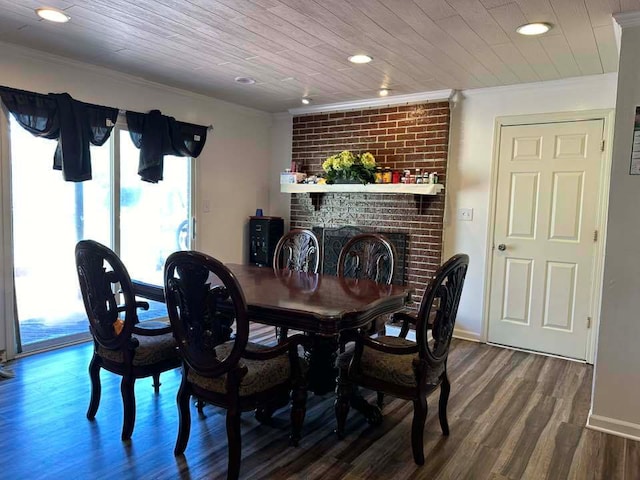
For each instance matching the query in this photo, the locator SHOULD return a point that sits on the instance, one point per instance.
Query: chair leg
(184, 417)
(281, 333)
(235, 444)
(129, 403)
(417, 428)
(298, 411)
(445, 388)
(380, 401)
(96, 388)
(156, 382)
(342, 402)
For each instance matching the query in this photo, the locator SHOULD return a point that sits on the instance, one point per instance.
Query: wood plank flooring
(512, 415)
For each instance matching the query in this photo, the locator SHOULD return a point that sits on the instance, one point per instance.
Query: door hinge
(602, 146)
(588, 322)
(595, 235)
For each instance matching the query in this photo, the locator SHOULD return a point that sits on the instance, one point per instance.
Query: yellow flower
(329, 163)
(346, 160)
(368, 160)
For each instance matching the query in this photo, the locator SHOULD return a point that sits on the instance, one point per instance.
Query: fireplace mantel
(411, 188)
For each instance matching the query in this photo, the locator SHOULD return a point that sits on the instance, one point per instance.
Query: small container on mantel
(395, 176)
(387, 176)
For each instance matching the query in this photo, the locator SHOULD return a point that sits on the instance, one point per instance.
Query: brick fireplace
(402, 137)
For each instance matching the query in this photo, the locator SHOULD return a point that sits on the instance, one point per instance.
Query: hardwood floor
(512, 415)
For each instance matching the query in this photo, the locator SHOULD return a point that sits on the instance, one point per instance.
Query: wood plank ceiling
(296, 48)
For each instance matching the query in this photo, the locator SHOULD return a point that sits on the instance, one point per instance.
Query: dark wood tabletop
(315, 303)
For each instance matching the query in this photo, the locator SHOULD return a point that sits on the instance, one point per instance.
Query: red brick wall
(415, 136)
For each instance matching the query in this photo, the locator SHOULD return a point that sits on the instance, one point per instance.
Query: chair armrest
(139, 304)
(148, 291)
(383, 347)
(407, 321)
(282, 347)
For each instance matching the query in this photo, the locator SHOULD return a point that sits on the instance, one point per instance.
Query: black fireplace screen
(333, 239)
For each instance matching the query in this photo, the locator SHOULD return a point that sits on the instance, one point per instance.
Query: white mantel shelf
(411, 188)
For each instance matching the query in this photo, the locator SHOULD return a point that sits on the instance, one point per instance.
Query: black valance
(73, 123)
(157, 135)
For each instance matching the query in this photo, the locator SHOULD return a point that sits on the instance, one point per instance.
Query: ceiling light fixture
(383, 92)
(52, 14)
(360, 58)
(306, 100)
(245, 80)
(533, 28)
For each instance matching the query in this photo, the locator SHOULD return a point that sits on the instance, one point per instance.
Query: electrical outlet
(465, 214)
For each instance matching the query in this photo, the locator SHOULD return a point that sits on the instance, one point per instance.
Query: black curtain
(157, 135)
(59, 117)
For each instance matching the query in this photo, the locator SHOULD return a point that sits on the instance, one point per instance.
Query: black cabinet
(264, 233)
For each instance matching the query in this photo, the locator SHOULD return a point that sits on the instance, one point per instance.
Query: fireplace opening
(332, 239)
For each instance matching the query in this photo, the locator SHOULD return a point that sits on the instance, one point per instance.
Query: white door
(544, 237)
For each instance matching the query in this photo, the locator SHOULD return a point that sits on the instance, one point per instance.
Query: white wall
(616, 393)
(232, 169)
(470, 166)
(281, 148)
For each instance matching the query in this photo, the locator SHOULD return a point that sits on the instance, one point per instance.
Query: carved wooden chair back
(197, 287)
(438, 311)
(102, 277)
(368, 255)
(297, 250)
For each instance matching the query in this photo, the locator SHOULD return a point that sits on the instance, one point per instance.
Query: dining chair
(373, 257)
(408, 369)
(297, 250)
(368, 255)
(121, 343)
(237, 375)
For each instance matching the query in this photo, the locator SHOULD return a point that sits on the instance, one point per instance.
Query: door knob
(502, 247)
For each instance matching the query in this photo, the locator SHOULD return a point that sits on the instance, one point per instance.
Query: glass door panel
(49, 217)
(154, 217)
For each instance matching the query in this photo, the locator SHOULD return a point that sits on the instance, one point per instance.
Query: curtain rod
(123, 112)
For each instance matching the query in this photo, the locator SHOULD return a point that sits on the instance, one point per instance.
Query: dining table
(319, 305)
(322, 306)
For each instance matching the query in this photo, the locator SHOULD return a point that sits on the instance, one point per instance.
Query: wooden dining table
(322, 306)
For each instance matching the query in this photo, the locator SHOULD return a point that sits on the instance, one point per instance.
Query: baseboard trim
(457, 333)
(613, 426)
(466, 335)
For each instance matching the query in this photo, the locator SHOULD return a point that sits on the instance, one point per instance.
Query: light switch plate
(465, 214)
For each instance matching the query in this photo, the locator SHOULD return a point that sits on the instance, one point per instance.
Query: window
(50, 215)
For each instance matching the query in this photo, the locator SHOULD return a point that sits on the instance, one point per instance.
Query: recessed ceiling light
(52, 14)
(360, 58)
(383, 92)
(306, 100)
(533, 28)
(245, 80)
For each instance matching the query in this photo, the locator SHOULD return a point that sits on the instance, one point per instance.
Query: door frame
(607, 116)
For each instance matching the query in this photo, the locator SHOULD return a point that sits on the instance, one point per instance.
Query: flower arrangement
(349, 167)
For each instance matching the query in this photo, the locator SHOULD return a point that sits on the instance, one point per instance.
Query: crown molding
(518, 87)
(412, 98)
(627, 19)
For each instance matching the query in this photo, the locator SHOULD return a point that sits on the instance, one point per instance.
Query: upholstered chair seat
(150, 350)
(261, 374)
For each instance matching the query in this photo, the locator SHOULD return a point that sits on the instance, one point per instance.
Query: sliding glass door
(50, 215)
